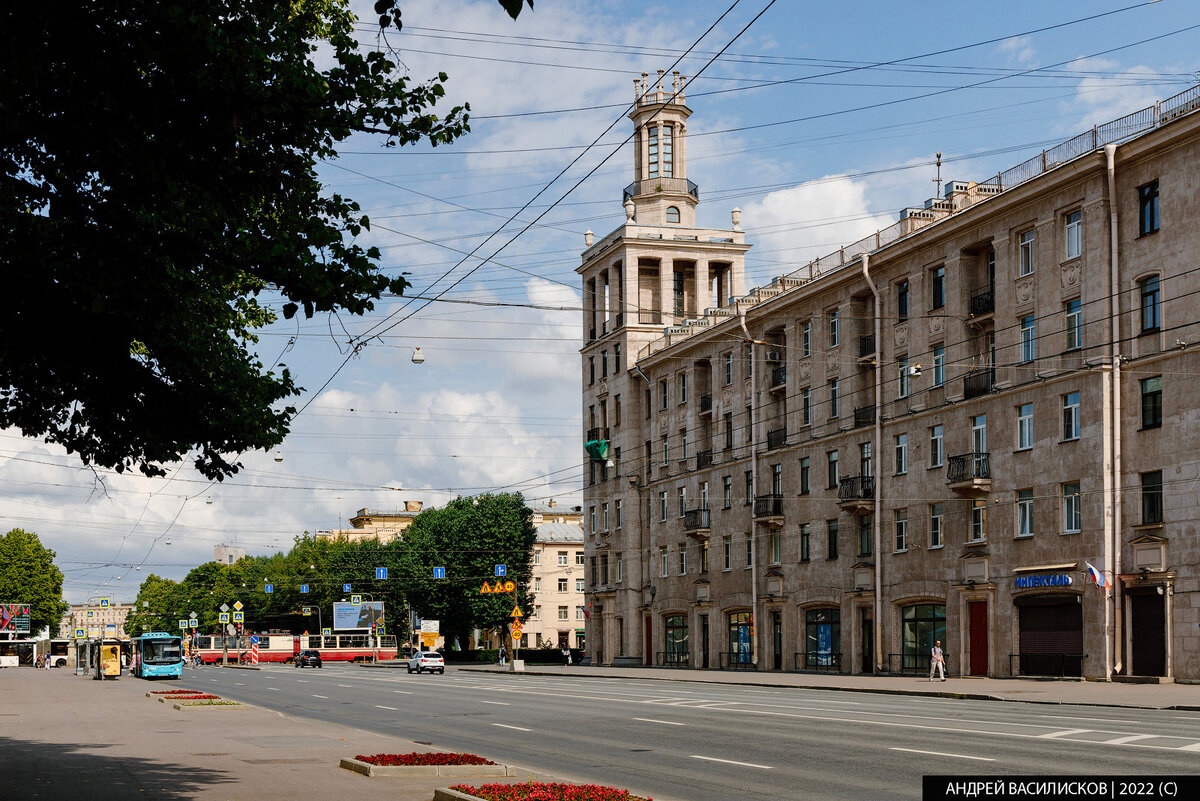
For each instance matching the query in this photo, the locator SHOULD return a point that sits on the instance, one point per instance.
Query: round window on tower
(672, 214)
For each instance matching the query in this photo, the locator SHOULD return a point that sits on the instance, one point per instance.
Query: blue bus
(157, 655)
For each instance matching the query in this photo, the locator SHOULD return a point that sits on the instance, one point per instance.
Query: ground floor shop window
(823, 639)
(740, 628)
(675, 628)
(923, 625)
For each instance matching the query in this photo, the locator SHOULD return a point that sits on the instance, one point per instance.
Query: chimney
(551, 503)
(412, 506)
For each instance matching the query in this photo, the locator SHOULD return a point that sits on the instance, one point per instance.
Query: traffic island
(189, 706)
(534, 790)
(426, 764)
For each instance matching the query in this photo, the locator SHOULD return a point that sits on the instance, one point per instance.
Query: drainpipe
(878, 461)
(753, 490)
(1112, 544)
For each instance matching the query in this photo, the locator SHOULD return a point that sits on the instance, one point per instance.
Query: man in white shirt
(937, 661)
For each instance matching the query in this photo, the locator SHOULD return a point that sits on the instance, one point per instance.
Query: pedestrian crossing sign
(327, 631)
(80, 634)
(223, 617)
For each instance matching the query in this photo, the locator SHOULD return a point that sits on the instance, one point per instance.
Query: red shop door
(979, 637)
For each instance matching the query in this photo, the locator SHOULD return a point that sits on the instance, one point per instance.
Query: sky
(820, 121)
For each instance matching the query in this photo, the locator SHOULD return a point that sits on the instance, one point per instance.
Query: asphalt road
(680, 741)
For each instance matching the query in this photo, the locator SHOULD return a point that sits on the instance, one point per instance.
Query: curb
(441, 771)
(446, 794)
(190, 707)
(240, 667)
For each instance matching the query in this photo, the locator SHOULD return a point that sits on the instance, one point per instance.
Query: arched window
(672, 214)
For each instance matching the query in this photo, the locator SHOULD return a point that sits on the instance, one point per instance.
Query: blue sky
(820, 121)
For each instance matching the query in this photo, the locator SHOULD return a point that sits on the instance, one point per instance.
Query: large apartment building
(977, 425)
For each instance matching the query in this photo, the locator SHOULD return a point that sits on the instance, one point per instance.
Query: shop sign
(1049, 580)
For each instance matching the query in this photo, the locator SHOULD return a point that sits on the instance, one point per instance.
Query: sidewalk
(66, 736)
(1043, 691)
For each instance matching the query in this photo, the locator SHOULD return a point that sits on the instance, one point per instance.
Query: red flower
(417, 758)
(539, 791)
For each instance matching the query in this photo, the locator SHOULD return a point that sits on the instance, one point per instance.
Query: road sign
(223, 617)
(428, 640)
(183, 624)
(224, 607)
(380, 629)
(303, 588)
(230, 628)
(356, 599)
(516, 612)
(345, 588)
(269, 588)
(80, 634)
(105, 603)
(327, 631)
(509, 586)
(193, 615)
(516, 634)
(90, 613)
(431, 626)
(381, 572)
(439, 572)
(237, 605)
(308, 611)
(501, 570)
(239, 617)
(486, 589)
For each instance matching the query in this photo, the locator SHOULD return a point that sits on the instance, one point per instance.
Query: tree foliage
(157, 174)
(28, 575)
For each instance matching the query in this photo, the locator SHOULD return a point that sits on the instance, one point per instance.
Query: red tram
(284, 647)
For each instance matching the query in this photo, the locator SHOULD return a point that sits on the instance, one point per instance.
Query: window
(1148, 208)
(805, 486)
(831, 469)
(537, 557)
(578, 585)
(776, 547)
(683, 444)
(727, 368)
(901, 454)
(833, 399)
(562, 558)
(979, 520)
(1073, 312)
(703, 494)
(652, 150)
(664, 394)
(1025, 426)
(616, 358)
(616, 410)
(562, 585)
(1025, 241)
(1070, 415)
(649, 405)
(1074, 225)
(579, 558)
(605, 519)
(668, 160)
(592, 519)
(681, 380)
(562, 613)
(806, 339)
(936, 511)
(672, 214)
(749, 487)
(603, 363)
(537, 612)
(902, 300)
(936, 450)
(591, 370)
(749, 550)
(662, 505)
(776, 479)
(1151, 304)
(805, 406)
(703, 556)
(1152, 498)
(1152, 402)
(937, 286)
(666, 450)
(901, 529)
(902, 376)
(537, 585)
(831, 539)
(939, 365)
(1028, 336)
(683, 558)
(865, 459)
(1025, 513)
(681, 497)
(727, 552)
(865, 538)
(1072, 520)
(728, 431)
(727, 491)
(617, 512)
(662, 560)
(834, 331)
(805, 542)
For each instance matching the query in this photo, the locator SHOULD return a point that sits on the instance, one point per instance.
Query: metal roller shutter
(1051, 636)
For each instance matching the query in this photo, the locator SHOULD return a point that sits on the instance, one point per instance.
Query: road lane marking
(320, 696)
(239, 684)
(402, 692)
(351, 686)
(666, 722)
(504, 726)
(497, 703)
(302, 681)
(1064, 733)
(1071, 717)
(1129, 739)
(1192, 747)
(732, 762)
(273, 688)
(392, 708)
(940, 753)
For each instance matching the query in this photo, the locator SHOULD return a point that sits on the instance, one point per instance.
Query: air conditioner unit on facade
(774, 356)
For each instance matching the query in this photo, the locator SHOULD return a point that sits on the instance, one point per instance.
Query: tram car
(284, 647)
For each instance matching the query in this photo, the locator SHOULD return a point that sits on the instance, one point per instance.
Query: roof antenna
(937, 182)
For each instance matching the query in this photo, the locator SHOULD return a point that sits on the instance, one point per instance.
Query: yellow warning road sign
(516, 612)
(486, 588)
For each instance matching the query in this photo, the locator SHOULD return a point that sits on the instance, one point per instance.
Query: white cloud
(1018, 51)
(1100, 99)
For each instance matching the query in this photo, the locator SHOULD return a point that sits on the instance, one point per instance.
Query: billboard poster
(356, 617)
(15, 617)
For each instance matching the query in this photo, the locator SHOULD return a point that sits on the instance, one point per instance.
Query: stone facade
(933, 436)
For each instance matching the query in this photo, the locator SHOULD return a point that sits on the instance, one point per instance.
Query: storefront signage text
(1052, 580)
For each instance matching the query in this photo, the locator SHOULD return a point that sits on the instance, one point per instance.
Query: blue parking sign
(439, 572)
(345, 588)
(381, 572)
(303, 588)
(501, 570)
(269, 588)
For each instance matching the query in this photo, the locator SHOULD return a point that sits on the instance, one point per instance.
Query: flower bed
(540, 791)
(172, 692)
(209, 703)
(417, 758)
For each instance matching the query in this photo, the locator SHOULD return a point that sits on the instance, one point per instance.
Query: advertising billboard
(356, 617)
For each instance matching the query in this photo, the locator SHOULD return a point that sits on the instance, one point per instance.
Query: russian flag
(1096, 575)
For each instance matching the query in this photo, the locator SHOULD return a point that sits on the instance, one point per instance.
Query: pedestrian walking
(503, 655)
(937, 661)
(566, 652)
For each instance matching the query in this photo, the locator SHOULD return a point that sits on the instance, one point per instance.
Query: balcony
(983, 301)
(706, 404)
(704, 459)
(857, 494)
(979, 382)
(651, 185)
(649, 318)
(696, 523)
(864, 416)
(778, 379)
(970, 474)
(595, 434)
(776, 438)
(866, 347)
(769, 509)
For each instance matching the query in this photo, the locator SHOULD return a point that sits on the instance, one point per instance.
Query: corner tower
(661, 193)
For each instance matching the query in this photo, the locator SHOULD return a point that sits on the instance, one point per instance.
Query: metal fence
(820, 661)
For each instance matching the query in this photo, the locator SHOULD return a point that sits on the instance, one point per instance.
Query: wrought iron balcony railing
(968, 467)
(704, 459)
(856, 488)
(768, 506)
(979, 382)
(776, 438)
(983, 301)
(864, 416)
(696, 519)
(866, 346)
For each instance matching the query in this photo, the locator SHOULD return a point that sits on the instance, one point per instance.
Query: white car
(426, 660)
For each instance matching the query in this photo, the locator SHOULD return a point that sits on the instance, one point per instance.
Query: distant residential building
(95, 620)
(385, 526)
(228, 554)
(557, 616)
